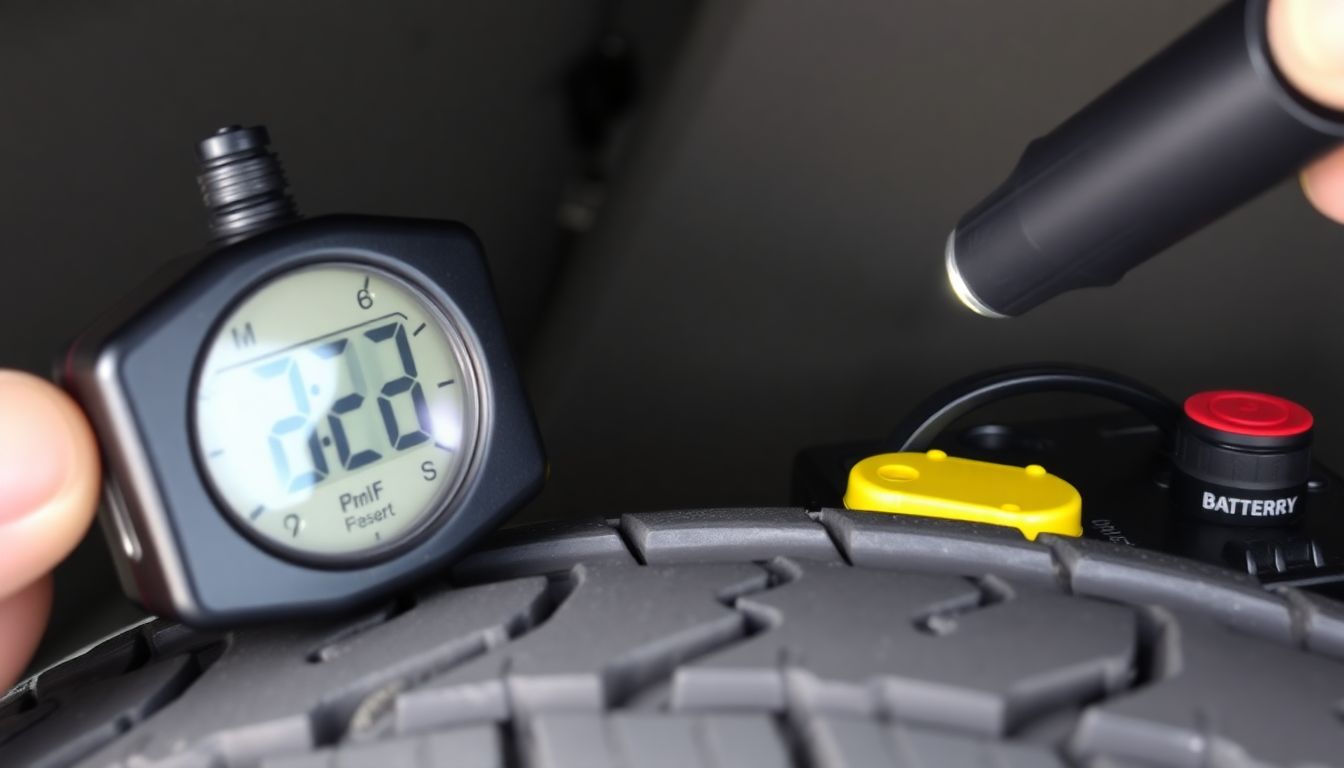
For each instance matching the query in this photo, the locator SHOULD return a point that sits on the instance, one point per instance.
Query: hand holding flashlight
(1306, 39)
(1248, 97)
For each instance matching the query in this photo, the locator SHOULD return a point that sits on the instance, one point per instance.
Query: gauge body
(303, 421)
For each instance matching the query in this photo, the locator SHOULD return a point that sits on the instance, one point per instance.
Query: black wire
(934, 415)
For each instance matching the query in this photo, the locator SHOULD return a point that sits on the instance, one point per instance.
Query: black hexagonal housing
(133, 371)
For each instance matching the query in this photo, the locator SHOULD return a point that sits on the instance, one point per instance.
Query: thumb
(1323, 181)
(1306, 38)
(48, 494)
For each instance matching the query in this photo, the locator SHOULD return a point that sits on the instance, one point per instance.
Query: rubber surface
(719, 638)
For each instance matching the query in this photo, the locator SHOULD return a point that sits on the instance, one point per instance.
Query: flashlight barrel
(1203, 126)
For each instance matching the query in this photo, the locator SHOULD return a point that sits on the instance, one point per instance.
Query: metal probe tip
(959, 286)
(242, 184)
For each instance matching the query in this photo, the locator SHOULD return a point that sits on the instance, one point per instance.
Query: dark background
(746, 261)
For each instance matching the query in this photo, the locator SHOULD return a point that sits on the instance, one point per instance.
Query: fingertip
(23, 617)
(49, 478)
(1323, 183)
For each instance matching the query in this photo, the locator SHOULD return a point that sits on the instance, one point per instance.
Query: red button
(1248, 413)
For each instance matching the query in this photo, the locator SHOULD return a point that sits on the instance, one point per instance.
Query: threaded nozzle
(242, 184)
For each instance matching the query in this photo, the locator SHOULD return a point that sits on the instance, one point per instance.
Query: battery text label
(1249, 507)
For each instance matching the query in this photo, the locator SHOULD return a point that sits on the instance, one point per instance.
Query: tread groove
(623, 684)
(942, 619)
(337, 641)
(624, 534)
(790, 734)
(1299, 613)
(372, 716)
(1063, 561)
(1159, 648)
(1157, 659)
(510, 740)
(837, 541)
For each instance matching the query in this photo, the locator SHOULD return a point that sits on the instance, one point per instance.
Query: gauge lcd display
(335, 411)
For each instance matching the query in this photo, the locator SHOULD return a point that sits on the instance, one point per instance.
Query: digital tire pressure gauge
(309, 415)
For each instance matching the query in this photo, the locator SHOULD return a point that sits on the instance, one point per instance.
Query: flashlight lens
(959, 286)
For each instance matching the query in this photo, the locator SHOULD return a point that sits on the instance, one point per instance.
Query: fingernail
(36, 446)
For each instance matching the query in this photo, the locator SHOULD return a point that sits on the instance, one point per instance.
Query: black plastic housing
(1242, 472)
(1205, 125)
(133, 372)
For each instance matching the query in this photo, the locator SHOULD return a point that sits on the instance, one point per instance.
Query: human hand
(1306, 38)
(49, 481)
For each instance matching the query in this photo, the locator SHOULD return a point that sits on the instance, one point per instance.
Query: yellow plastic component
(934, 484)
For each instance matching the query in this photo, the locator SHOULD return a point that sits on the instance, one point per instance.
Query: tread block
(1102, 569)
(582, 660)
(380, 754)
(727, 535)
(1112, 762)
(312, 760)
(733, 740)
(850, 641)
(920, 748)
(1230, 700)
(476, 747)
(244, 745)
(930, 545)
(542, 548)
(473, 747)
(566, 741)
(841, 742)
(846, 742)
(716, 741)
(656, 741)
(110, 657)
(82, 718)
(479, 746)
(191, 759)
(222, 714)
(165, 637)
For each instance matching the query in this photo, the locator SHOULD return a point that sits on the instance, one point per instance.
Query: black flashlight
(1203, 126)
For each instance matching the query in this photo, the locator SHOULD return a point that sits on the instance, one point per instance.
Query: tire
(732, 638)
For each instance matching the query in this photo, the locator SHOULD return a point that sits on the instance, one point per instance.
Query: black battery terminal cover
(1242, 458)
